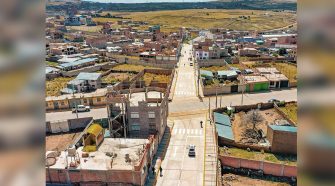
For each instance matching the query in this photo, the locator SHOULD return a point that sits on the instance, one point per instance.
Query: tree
(253, 117)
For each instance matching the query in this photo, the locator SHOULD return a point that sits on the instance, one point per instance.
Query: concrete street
(61, 116)
(188, 105)
(185, 85)
(178, 168)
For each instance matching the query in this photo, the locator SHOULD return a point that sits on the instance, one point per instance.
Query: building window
(151, 114)
(98, 99)
(134, 115)
(135, 127)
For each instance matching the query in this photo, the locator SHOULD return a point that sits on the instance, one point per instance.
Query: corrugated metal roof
(222, 119)
(94, 129)
(78, 62)
(88, 76)
(206, 73)
(223, 126)
(227, 73)
(284, 128)
(225, 131)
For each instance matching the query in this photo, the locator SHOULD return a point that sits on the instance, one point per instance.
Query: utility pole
(216, 96)
(242, 89)
(75, 103)
(209, 106)
(220, 101)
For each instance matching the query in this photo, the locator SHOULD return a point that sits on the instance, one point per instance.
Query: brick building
(283, 139)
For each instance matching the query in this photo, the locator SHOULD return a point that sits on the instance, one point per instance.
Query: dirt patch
(238, 180)
(239, 127)
(116, 77)
(60, 142)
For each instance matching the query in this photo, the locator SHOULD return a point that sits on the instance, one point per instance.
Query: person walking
(153, 169)
(160, 171)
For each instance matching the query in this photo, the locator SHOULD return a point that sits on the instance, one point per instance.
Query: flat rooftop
(267, 70)
(255, 79)
(60, 142)
(275, 77)
(99, 160)
(140, 96)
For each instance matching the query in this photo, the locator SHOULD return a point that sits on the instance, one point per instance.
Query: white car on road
(81, 108)
(191, 150)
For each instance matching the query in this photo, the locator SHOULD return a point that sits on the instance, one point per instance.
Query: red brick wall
(102, 176)
(267, 167)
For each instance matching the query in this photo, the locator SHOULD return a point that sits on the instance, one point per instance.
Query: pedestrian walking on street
(161, 170)
(153, 170)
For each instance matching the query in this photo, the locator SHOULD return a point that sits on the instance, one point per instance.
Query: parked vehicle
(191, 150)
(81, 108)
(273, 101)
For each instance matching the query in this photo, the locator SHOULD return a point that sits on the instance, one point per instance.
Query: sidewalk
(210, 159)
(152, 178)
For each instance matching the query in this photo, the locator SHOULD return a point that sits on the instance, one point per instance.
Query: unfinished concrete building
(136, 108)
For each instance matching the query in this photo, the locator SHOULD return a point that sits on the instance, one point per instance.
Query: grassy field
(206, 18)
(239, 66)
(255, 155)
(291, 110)
(54, 86)
(116, 77)
(215, 68)
(131, 68)
(148, 77)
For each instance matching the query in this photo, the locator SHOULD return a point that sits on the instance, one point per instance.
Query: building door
(56, 105)
(284, 84)
(234, 89)
(90, 100)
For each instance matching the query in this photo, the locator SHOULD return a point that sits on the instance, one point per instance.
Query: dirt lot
(237, 180)
(60, 141)
(215, 68)
(116, 77)
(269, 116)
(291, 110)
(148, 77)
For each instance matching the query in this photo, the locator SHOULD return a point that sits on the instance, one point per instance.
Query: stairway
(162, 147)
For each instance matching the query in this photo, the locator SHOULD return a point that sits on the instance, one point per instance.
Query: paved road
(188, 105)
(61, 116)
(185, 85)
(178, 168)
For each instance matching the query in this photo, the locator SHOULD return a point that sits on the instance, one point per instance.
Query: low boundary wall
(274, 169)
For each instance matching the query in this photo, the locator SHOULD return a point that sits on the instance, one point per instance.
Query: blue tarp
(223, 126)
